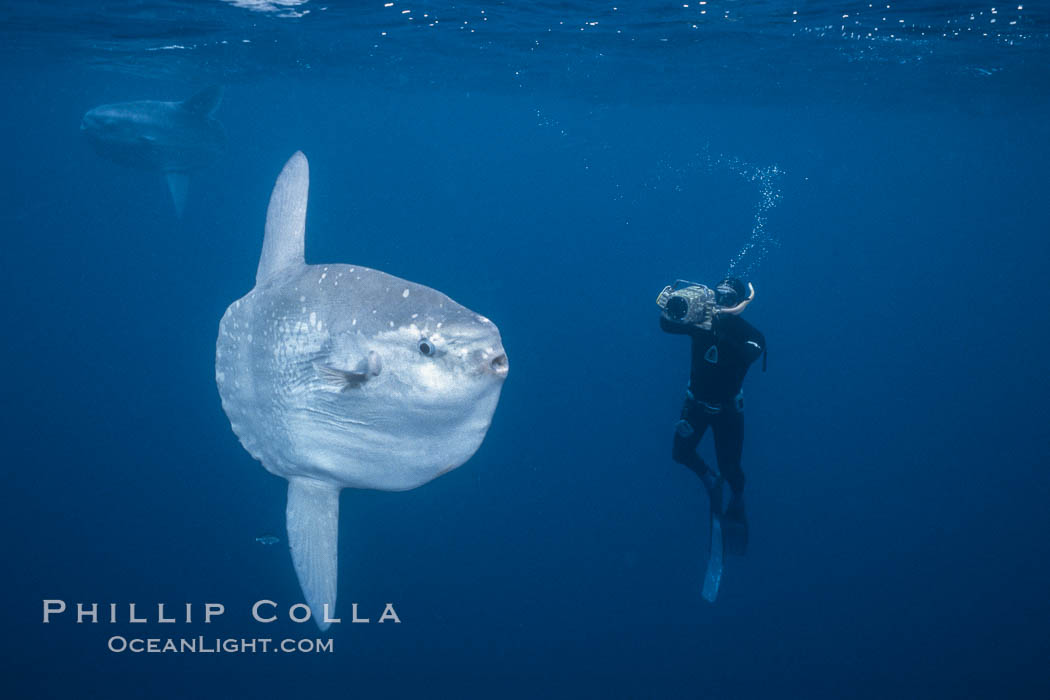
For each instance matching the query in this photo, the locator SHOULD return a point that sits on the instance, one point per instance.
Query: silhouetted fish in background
(175, 138)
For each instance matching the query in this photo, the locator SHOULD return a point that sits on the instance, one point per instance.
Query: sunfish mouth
(496, 363)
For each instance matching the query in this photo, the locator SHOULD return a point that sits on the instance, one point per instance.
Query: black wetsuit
(721, 358)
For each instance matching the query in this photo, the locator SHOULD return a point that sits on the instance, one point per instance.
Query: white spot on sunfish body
(404, 294)
(313, 318)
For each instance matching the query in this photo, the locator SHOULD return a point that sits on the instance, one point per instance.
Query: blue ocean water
(877, 171)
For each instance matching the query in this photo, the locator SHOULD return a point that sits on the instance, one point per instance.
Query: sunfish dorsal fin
(313, 536)
(285, 220)
(205, 102)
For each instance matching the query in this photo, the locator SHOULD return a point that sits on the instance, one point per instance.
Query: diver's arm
(679, 328)
(756, 347)
(669, 326)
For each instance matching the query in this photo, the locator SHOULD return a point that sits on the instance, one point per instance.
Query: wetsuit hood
(730, 292)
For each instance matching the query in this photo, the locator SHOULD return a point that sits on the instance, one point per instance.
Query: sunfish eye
(425, 347)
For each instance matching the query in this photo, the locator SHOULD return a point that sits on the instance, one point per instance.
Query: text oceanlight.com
(203, 645)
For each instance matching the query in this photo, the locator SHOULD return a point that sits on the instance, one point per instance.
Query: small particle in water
(267, 540)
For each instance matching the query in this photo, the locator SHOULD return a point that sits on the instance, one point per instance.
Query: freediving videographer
(724, 347)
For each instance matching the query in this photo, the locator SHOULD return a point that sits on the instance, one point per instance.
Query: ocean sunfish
(174, 138)
(339, 376)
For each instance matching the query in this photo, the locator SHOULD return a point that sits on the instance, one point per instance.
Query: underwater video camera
(688, 302)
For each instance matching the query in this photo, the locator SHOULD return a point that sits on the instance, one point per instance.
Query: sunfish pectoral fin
(205, 102)
(341, 379)
(283, 242)
(313, 536)
(344, 379)
(178, 185)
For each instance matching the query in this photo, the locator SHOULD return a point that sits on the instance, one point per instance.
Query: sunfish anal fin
(313, 536)
(178, 185)
(283, 243)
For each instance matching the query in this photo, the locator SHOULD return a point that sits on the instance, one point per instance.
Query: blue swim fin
(713, 575)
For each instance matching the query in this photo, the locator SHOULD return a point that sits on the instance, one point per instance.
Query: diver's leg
(729, 447)
(687, 434)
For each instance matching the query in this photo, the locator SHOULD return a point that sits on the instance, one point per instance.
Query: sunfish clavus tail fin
(283, 243)
(313, 535)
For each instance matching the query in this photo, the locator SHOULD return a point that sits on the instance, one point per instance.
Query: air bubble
(746, 262)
